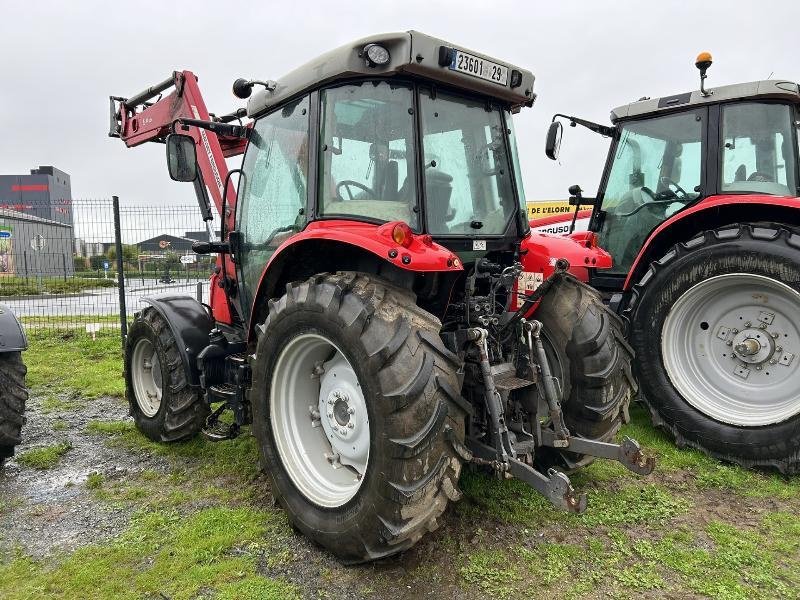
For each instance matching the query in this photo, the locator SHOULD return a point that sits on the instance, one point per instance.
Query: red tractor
(379, 312)
(699, 207)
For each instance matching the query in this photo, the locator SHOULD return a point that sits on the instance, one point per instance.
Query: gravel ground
(46, 511)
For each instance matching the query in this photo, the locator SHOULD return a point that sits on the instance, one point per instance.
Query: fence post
(200, 291)
(123, 316)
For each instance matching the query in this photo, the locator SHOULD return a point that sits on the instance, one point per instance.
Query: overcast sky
(59, 62)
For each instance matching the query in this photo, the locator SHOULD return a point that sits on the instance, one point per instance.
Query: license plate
(479, 67)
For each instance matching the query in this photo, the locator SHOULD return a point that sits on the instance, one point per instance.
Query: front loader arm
(137, 120)
(141, 119)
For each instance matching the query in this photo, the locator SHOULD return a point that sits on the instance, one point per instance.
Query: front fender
(12, 336)
(190, 323)
(540, 251)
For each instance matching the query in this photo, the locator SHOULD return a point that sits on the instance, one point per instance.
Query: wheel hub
(753, 346)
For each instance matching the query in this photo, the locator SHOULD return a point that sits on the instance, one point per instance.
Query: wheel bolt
(775, 334)
(735, 330)
(773, 362)
(330, 401)
(350, 426)
(330, 415)
(758, 367)
(763, 326)
(729, 343)
(351, 410)
(343, 431)
(747, 323)
(779, 349)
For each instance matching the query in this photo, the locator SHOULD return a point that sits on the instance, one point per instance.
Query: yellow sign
(549, 208)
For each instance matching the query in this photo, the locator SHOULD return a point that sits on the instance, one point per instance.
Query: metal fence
(62, 272)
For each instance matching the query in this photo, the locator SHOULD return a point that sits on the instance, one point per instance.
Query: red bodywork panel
(539, 252)
(706, 204)
(421, 253)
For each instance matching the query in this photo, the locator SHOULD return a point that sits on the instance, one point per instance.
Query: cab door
(273, 192)
(656, 169)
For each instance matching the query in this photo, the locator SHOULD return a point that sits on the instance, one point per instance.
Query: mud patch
(52, 510)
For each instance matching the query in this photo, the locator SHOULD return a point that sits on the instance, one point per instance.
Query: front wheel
(355, 408)
(163, 405)
(716, 326)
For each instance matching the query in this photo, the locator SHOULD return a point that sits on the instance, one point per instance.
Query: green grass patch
(708, 472)
(211, 553)
(491, 571)
(70, 361)
(515, 502)
(94, 481)
(45, 457)
(20, 286)
(720, 561)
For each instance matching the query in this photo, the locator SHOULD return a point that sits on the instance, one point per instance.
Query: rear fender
(12, 336)
(419, 256)
(711, 213)
(190, 323)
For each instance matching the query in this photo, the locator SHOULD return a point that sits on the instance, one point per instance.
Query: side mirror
(553, 143)
(181, 157)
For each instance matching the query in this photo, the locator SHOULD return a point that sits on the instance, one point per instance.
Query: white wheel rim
(146, 376)
(730, 347)
(319, 420)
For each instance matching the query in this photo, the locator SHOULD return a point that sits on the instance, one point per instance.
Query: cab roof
(755, 90)
(411, 53)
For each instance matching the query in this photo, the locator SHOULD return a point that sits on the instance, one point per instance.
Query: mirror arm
(226, 129)
(604, 130)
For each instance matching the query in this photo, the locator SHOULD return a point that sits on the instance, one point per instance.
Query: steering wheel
(349, 182)
(669, 183)
(653, 203)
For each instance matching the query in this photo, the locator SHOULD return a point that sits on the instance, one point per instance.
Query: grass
(71, 362)
(45, 457)
(19, 286)
(162, 554)
(203, 528)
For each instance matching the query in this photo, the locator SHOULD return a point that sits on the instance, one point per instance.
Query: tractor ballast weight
(699, 205)
(13, 393)
(380, 311)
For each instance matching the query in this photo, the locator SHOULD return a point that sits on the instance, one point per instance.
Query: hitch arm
(629, 452)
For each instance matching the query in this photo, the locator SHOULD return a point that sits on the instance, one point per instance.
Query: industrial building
(36, 224)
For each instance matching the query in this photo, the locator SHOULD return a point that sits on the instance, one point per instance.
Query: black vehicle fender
(190, 323)
(12, 336)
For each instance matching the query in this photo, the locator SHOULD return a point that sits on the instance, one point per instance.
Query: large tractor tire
(588, 354)
(164, 406)
(13, 395)
(716, 327)
(356, 409)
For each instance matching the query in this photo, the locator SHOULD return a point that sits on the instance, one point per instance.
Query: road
(99, 301)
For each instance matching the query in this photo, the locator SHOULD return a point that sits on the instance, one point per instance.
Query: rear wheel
(355, 408)
(163, 405)
(589, 355)
(716, 326)
(13, 395)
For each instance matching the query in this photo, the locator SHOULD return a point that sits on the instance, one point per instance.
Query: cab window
(758, 152)
(273, 192)
(656, 171)
(468, 176)
(367, 153)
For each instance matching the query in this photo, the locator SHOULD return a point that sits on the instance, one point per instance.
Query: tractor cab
(668, 154)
